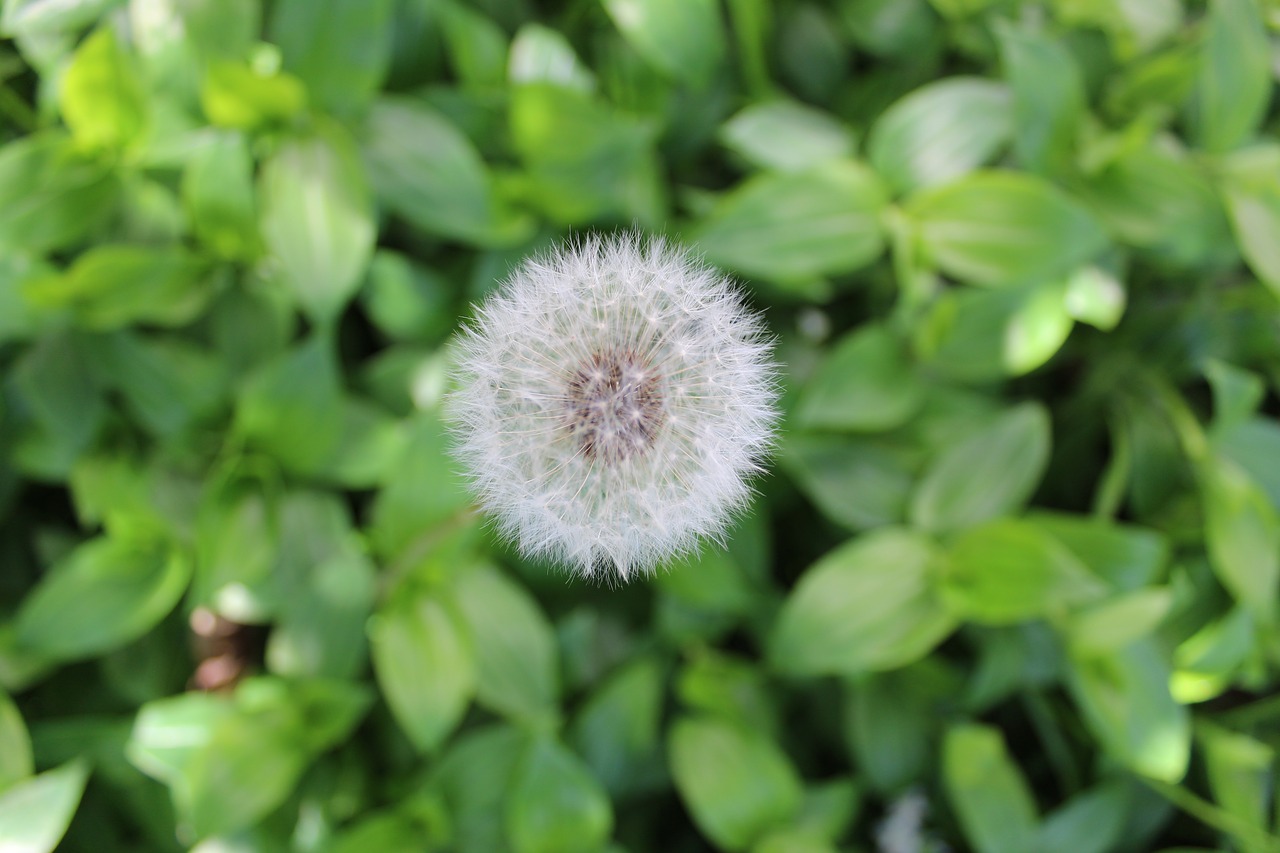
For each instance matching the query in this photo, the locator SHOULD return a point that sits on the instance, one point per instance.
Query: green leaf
(1008, 570)
(34, 814)
(555, 805)
(1250, 183)
(473, 778)
(865, 383)
(792, 227)
(857, 483)
(1125, 556)
(736, 784)
(407, 301)
(990, 472)
(34, 17)
(1233, 87)
(786, 135)
(425, 667)
(317, 219)
(1090, 822)
(1125, 700)
(891, 719)
(427, 171)
(477, 46)
(55, 380)
(1237, 394)
(1096, 297)
(940, 131)
(1239, 769)
(105, 593)
(50, 198)
(584, 159)
(102, 99)
(341, 50)
(291, 407)
(235, 95)
(217, 190)
(111, 286)
(997, 228)
(1048, 100)
(236, 549)
(617, 729)
(515, 651)
(1242, 535)
(1156, 198)
(1115, 623)
(320, 631)
(684, 39)
(987, 791)
(542, 55)
(866, 606)
(15, 745)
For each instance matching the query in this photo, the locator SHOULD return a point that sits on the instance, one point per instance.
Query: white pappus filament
(613, 399)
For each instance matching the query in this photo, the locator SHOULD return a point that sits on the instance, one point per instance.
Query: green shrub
(1011, 585)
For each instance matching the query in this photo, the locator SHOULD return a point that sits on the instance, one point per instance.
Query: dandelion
(614, 398)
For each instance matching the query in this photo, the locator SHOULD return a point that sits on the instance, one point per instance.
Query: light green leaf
(940, 131)
(515, 651)
(317, 219)
(987, 791)
(236, 95)
(111, 286)
(340, 49)
(786, 135)
(1125, 700)
(33, 17)
(217, 190)
(1233, 88)
(542, 55)
(102, 99)
(990, 472)
(424, 665)
(682, 38)
(868, 605)
(1048, 100)
(736, 784)
(105, 593)
(1096, 296)
(997, 228)
(1242, 535)
(793, 227)
(1008, 570)
(1115, 623)
(555, 805)
(34, 814)
(865, 383)
(15, 745)
(1250, 183)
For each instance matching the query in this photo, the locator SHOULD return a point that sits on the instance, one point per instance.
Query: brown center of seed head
(613, 406)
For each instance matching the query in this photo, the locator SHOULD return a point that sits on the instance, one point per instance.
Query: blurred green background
(1011, 586)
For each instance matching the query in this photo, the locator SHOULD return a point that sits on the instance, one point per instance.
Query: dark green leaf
(341, 50)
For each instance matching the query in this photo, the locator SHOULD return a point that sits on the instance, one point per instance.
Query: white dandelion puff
(614, 399)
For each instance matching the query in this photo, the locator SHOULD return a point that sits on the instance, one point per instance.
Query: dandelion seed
(614, 398)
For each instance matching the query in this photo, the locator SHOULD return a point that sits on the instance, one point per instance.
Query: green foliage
(1011, 587)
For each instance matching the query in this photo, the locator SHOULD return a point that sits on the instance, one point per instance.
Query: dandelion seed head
(614, 398)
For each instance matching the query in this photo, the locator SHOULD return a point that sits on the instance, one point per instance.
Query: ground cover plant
(1009, 585)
